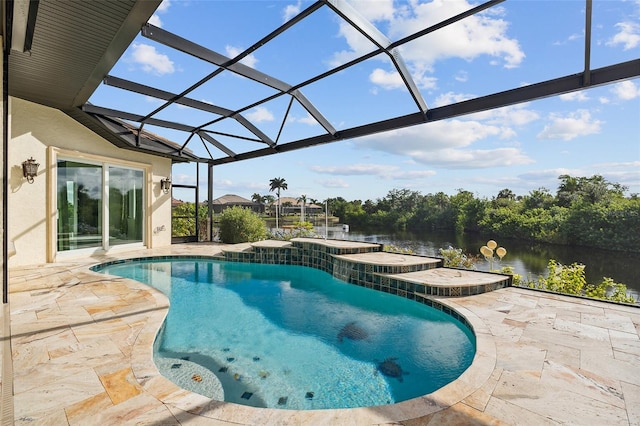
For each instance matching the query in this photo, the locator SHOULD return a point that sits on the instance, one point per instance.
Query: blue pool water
(294, 337)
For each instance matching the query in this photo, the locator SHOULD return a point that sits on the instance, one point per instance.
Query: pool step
(366, 265)
(443, 282)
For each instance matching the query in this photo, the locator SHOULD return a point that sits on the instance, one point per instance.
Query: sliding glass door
(99, 205)
(79, 205)
(125, 206)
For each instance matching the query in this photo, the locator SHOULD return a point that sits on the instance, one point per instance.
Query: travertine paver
(385, 258)
(446, 277)
(337, 243)
(82, 354)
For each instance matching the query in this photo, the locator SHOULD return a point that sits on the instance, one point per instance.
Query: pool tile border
(169, 393)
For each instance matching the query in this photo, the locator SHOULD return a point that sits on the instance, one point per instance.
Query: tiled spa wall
(321, 256)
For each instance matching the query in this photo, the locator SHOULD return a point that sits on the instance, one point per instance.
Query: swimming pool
(294, 337)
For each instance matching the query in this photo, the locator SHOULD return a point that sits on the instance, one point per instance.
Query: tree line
(584, 211)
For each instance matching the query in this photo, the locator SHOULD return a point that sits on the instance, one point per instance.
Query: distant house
(290, 205)
(230, 200)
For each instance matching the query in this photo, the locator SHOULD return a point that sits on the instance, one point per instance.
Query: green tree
(354, 214)
(183, 222)
(538, 198)
(436, 212)
(241, 225)
(468, 211)
(505, 198)
(592, 190)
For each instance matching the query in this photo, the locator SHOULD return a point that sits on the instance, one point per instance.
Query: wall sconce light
(165, 185)
(30, 169)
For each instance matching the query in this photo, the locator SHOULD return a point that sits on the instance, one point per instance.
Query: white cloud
(513, 115)
(164, 6)
(151, 60)
(475, 36)
(467, 39)
(414, 174)
(627, 164)
(379, 10)
(578, 123)
(628, 35)
(451, 98)
(249, 60)
(545, 178)
(424, 81)
(572, 37)
(333, 183)
(626, 90)
(549, 173)
(259, 114)
(445, 144)
(380, 170)
(185, 179)
(355, 169)
(624, 173)
(290, 11)
(307, 119)
(428, 137)
(473, 159)
(155, 20)
(579, 96)
(358, 45)
(387, 80)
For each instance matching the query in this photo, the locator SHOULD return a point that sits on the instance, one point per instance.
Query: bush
(571, 280)
(240, 225)
(516, 278)
(455, 258)
(299, 230)
(395, 249)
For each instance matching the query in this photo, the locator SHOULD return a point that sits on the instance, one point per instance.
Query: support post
(210, 200)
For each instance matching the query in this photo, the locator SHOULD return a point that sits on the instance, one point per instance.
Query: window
(98, 205)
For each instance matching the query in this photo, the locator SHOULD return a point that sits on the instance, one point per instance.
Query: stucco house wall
(44, 133)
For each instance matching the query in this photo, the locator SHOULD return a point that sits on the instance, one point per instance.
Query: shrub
(391, 248)
(516, 278)
(455, 258)
(571, 280)
(299, 230)
(241, 225)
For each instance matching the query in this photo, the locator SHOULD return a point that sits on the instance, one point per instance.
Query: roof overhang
(62, 50)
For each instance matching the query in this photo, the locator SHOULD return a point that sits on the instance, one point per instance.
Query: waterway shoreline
(529, 259)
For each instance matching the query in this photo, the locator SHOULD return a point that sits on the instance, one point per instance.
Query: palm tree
(257, 198)
(302, 199)
(277, 184)
(268, 199)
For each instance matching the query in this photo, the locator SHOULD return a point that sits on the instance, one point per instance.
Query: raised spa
(294, 337)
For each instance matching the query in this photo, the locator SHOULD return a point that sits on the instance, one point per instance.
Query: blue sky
(522, 147)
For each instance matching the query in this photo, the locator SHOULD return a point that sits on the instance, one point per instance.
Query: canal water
(527, 258)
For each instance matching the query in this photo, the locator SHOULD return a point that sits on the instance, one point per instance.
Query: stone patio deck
(82, 354)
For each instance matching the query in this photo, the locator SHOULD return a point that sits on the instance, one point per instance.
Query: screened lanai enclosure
(221, 131)
(70, 56)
